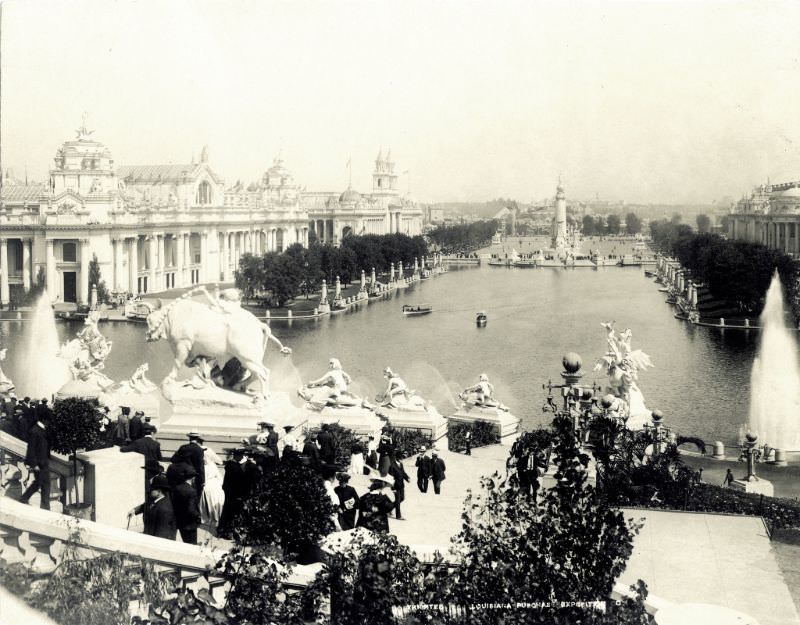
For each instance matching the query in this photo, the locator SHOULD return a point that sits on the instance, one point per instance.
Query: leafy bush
(343, 441)
(409, 443)
(74, 425)
(483, 433)
(87, 591)
(288, 509)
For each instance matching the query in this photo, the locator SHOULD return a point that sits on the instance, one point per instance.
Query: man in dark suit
(437, 472)
(424, 470)
(43, 411)
(186, 505)
(400, 476)
(135, 429)
(235, 487)
(150, 448)
(311, 453)
(37, 456)
(192, 452)
(327, 445)
(159, 516)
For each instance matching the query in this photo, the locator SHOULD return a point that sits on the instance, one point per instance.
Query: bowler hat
(160, 482)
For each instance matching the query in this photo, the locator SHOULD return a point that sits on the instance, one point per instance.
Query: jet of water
(42, 372)
(775, 377)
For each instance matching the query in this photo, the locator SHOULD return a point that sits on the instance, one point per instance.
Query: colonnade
(783, 236)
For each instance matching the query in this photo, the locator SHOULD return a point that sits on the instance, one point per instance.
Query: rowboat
(420, 309)
(481, 319)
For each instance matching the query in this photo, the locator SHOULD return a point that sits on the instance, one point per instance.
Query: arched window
(203, 193)
(380, 182)
(69, 251)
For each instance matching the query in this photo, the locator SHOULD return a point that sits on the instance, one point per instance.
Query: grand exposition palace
(770, 216)
(156, 227)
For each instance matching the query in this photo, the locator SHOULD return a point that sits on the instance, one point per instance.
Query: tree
(587, 225)
(676, 218)
(561, 544)
(289, 509)
(74, 425)
(703, 223)
(96, 280)
(282, 276)
(613, 223)
(249, 277)
(633, 224)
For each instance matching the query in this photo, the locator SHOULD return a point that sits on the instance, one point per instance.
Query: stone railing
(15, 475)
(37, 538)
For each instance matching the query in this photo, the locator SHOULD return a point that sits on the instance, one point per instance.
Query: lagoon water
(701, 378)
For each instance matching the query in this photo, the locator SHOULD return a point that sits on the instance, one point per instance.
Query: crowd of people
(194, 489)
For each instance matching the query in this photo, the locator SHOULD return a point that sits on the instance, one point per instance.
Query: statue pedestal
(429, 421)
(506, 424)
(148, 403)
(215, 411)
(363, 421)
(759, 487)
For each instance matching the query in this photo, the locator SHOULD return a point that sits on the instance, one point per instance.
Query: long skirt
(211, 502)
(356, 465)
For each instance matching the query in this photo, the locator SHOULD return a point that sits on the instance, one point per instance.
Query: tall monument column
(162, 262)
(27, 270)
(83, 295)
(119, 282)
(560, 219)
(179, 264)
(223, 257)
(4, 288)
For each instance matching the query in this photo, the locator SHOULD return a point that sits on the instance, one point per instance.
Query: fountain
(775, 378)
(42, 371)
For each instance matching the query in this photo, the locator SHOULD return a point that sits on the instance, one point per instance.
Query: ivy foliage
(483, 433)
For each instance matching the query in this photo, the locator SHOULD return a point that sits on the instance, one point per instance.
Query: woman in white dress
(213, 496)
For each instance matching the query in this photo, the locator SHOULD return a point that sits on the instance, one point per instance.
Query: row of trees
(277, 277)
(464, 237)
(610, 224)
(736, 271)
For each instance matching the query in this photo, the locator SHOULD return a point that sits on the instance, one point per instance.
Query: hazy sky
(646, 102)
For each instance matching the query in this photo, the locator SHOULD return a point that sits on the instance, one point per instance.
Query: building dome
(349, 195)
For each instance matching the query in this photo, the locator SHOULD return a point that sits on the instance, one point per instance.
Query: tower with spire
(384, 180)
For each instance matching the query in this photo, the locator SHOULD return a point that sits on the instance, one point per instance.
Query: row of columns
(777, 235)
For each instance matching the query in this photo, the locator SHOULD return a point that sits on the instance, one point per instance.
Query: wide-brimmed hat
(377, 477)
(266, 424)
(194, 434)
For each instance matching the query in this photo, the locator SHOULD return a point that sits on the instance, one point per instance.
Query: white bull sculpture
(204, 333)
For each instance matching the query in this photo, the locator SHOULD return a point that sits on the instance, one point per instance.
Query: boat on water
(138, 310)
(648, 273)
(525, 262)
(579, 261)
(481, 319)
(420, 309)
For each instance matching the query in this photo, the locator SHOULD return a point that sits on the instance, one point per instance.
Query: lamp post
(750, 453)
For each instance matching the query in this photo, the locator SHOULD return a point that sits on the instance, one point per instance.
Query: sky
(646, 102)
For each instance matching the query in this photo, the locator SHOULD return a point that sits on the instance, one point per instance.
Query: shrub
(483, 433)
(74, 425)
(408, 443)
(343, 441)
(289, 509)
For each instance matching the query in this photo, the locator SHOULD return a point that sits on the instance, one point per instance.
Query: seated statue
(331, 389)
(398, 395)
(481, 394)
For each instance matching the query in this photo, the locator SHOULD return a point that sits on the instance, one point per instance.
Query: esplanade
(156, 227)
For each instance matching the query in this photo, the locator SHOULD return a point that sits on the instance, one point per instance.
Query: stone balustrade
(37, 538)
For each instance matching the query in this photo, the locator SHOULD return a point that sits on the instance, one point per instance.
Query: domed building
(383, 211)
(150, 227)
(770, 216)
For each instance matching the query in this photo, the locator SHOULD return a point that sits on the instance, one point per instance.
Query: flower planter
(79, 510)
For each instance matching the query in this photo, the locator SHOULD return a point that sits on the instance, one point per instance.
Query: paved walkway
(707, 558)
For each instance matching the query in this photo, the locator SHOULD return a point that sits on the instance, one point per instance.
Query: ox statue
(212, 332)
